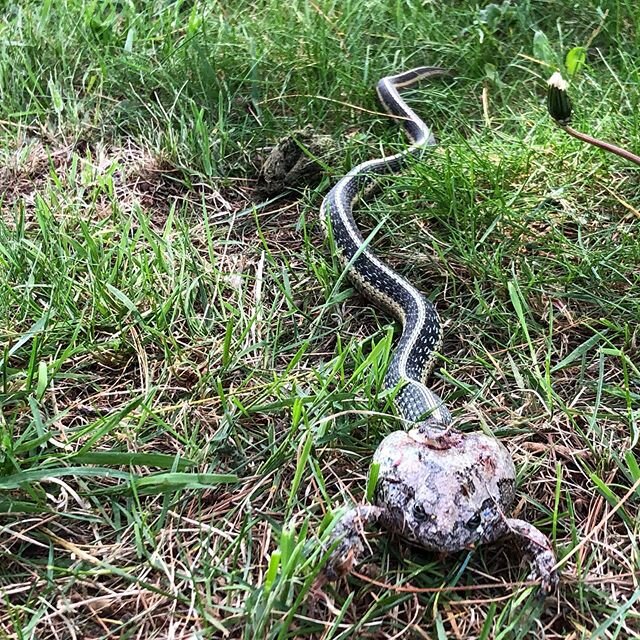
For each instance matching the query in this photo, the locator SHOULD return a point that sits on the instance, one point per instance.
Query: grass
(187, 387)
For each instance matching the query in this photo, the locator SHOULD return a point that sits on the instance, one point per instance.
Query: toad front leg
(538, 547)
(349, 531)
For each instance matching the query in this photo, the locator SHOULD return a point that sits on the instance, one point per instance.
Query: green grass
(188, 388)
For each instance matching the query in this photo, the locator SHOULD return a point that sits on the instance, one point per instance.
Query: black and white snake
(421, 337)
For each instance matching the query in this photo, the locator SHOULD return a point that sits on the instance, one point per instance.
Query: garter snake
(421, 337)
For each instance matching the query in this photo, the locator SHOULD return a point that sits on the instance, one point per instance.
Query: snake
(413, 357)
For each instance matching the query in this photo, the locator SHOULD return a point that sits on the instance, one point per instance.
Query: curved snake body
(421, 337)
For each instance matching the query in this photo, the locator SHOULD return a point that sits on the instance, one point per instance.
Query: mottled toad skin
(296, 161)
(444, 491)
(444, 499)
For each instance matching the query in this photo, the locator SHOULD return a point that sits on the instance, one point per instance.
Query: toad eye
(419, 513)
(474, 522)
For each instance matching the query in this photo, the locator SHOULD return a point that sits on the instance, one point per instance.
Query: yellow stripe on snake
(421, 337)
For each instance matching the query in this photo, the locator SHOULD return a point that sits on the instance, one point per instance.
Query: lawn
(189, 388)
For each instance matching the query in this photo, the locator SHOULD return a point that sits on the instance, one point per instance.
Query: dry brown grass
(156, 309)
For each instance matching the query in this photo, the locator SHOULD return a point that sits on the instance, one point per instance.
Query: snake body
(413, 356)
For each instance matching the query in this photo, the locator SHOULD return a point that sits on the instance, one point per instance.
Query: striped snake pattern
(413, 356)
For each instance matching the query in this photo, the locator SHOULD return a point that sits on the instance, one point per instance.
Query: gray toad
(445, 492)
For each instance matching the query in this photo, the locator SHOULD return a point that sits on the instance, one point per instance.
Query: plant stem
(607, 146)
